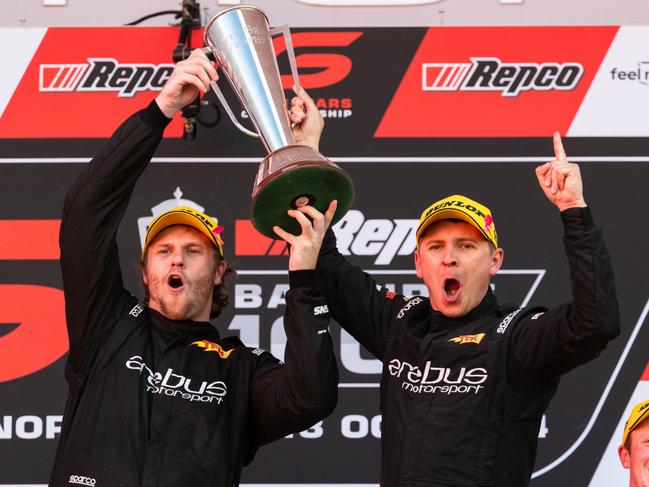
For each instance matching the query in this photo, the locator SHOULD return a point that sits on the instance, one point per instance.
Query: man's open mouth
(175, 281)
(451, 287)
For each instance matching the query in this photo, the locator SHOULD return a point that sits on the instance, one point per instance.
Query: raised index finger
(559, 153)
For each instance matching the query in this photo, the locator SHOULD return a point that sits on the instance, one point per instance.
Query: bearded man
(147, 406)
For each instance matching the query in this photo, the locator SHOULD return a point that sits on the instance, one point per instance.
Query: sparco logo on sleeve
(434, 380)
(502, 327)
(81, 480)
(136, 311)
(413, 302)
(176, 385)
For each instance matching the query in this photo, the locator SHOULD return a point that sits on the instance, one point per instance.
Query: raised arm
(574, 333)
(96, 202)
(560, 180)
(292, 397)
(353, 297)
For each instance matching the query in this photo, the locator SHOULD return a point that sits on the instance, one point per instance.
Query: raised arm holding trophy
(146, 406)
(290, 176)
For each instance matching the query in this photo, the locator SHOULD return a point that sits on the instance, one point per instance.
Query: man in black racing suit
(156, 396)
(465, 381)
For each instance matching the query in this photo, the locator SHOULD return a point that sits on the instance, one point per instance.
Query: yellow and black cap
(639, 413)
(185, 215)
(460, 208)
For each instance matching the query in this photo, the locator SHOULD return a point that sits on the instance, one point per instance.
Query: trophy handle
(284, 29)
(224, 103)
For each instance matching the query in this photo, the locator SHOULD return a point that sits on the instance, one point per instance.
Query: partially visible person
(634, 450)
(156, 396)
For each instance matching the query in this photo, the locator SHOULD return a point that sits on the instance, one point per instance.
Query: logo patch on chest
(213, 347)
(468, 338)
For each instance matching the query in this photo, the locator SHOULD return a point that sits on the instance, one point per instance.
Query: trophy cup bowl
(291, 175)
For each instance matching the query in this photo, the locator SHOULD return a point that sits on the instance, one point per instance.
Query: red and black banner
(413, 114)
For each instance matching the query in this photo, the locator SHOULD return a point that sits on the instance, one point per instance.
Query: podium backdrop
(413, 114)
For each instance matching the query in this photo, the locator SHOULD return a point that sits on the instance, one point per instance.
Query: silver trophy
(291, 175)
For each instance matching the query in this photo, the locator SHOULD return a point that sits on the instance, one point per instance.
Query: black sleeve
(555, 342)
(92, 212)
(291, 397)
(357, 303)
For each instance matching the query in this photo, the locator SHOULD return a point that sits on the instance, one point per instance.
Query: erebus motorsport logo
(491, 74)
(103, 74)
(442, 380)
(176, 385)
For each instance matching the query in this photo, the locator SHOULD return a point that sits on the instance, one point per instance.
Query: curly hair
(220, 293)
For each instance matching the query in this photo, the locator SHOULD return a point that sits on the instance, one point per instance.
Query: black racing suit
(462, 398)
(157, 402)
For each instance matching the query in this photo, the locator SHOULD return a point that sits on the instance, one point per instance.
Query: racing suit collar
(172, 329)
(488, 305)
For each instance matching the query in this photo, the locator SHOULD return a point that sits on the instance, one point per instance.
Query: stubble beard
(182, 306)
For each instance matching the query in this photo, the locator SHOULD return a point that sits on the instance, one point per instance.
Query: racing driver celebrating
(156, 396)
(465, 381)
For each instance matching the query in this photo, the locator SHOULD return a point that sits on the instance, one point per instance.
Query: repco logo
(491, 74)
(104, 74)
(382, 238)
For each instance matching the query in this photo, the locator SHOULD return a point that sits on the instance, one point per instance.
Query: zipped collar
(172, 329)
(488, 306)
